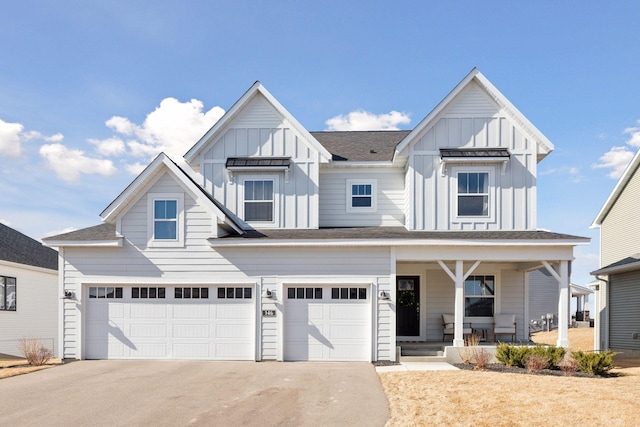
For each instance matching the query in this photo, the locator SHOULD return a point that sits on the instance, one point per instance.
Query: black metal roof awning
(258, 162)
(470, 153)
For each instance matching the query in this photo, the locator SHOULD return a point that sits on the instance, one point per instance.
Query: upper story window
(7, 293)
(165, 223)
(479, 296)
(361, 195)
(473, 194)
(259, 200)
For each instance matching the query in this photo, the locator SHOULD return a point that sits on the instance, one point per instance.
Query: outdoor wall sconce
(69, 295)
(384, 296)
(268, 294)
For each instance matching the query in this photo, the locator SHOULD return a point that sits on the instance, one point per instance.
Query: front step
(423, 359)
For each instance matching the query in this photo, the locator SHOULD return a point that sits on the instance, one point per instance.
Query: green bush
(517, 355)
(594, 363)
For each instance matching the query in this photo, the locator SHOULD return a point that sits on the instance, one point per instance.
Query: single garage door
(327, 323)
(166, 322)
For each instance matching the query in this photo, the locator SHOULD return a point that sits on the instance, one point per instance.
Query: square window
(362, 293)
(344, 293)
(230, 293)
(291, 293)
(300, 293)
(308, 294)
(195, 293)
(161, 293)
(153, 292)
(102, 292)
(239, 292)
(247, 293)
(204, 293)
(111, 293)
(318, 293)
(335, 293)
(361, 195)
(353, 293)
(93, 292)
(186, 293)
(118, 292)
(177, 293)
(135, 292)
(222, 293)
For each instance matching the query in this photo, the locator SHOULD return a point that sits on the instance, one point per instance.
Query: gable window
(259, 199)
(7, 293)
(473, 194)
(165, 219)
(479, 296)
(361, 195)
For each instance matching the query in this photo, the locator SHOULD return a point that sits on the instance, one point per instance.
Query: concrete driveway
(177, 393)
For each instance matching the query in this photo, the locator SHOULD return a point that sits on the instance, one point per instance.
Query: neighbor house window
(259, 200)
(361, 195)
(7, 293)
(473, 194)
(479, 296)
(165, 226)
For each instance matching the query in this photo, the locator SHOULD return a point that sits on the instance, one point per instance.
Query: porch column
(458, 331)
(563, 305)
(563, 301)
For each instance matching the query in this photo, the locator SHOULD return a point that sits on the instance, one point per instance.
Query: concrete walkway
(417, 366)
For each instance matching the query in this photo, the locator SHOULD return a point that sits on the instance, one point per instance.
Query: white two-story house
(275, 243)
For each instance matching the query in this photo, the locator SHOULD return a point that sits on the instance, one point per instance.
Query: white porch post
(458, 331)
(563, 305)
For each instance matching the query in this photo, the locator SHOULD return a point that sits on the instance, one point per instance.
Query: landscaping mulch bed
(499, 367)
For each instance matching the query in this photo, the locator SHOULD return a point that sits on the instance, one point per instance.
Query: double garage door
(170, 323)
(326, 323)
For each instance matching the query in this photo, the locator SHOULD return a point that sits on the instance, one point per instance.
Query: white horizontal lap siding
(334, 196)
(619, 232)
(511, 296)
(434, 195)
(543, 294)
(36, 314)
(624, 301)
(440, 291)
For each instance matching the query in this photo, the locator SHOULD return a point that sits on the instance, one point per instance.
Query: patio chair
(504, 324)
(448, 326)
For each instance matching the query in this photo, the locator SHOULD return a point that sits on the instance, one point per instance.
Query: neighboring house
(29, 296)
(276, 243)
(618, 292)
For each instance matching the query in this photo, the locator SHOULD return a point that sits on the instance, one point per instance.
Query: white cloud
(68, 163)
(173, 127)
(109, 147)
(634, 136)
(617, 159)
(364, 120)
(135, 168)
(5, 222)
(33, 134)
(10, 142)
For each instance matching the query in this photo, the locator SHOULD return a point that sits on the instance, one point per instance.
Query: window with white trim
(259, 200)
(8, 293)
(165, 219)
(479, 296)
(361, 195)
(473, 194)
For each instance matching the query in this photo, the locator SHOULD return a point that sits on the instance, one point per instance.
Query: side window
(361, 195)
(8, 294)
(479, 296)
(165, 226)
(473, 194)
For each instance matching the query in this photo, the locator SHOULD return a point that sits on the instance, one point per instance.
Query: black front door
(408, 306)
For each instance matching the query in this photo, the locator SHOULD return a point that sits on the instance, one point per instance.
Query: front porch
(473, 288)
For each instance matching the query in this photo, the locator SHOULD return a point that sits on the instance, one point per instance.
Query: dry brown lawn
(10, 367)
(476, 398)
(580, 339)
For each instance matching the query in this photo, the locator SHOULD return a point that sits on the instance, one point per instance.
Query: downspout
(602, 342)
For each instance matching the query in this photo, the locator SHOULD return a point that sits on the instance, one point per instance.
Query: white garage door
(327, 323)
(167, 322)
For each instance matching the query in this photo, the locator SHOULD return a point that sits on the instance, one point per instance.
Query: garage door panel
(165, 328)
(326, 328)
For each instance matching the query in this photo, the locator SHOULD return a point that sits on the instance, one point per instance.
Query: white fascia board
(394, 243)
(617, 269)
(238, 106)
(17, 265)
(545, 146)
(117, 243)
(622, 183)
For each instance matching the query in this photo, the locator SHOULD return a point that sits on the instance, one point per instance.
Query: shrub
(568, 365)
(481, 358)
(468, 351)
(594, 363)
(513, 355)
(536, 363)
(552, 353)
(35, 353)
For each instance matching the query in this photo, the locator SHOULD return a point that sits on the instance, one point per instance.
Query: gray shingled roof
(625, 264)
(21, 249)
(366, 233)
(95, 233)
(361, 146)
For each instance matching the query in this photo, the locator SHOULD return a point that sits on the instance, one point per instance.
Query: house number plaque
(268, 313)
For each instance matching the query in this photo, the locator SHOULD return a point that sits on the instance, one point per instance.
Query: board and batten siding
(624, 312)
(512, 197)
(36, 314)
(619, 232)
(261, 131)
(334, 197)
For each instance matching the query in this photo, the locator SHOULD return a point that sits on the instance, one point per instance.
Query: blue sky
(90, 92)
